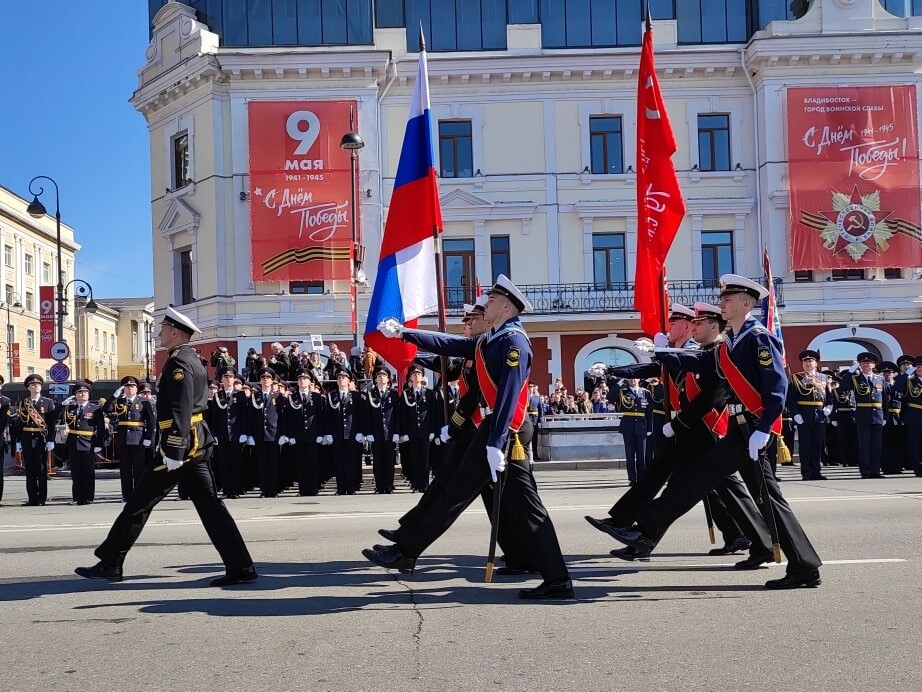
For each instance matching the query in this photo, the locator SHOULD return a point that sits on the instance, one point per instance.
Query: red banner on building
(45, 320)
(14, 358)
(854, 176)
(300, 194)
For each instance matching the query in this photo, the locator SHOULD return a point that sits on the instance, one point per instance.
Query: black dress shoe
(607, 525)
(247, 574)
(558, 588)
(101, 570)
(391, 558)
(735, 546)
(629, 554)
(388, 534)
(30, 504)
(515, 571)
(754, 561)
(634, 538)
(795, 581)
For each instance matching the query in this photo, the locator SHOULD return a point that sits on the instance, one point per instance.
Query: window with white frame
(8, 255)
(30, 301)
(28, 264)
(30, 339)
(96, 338)
(46, 273)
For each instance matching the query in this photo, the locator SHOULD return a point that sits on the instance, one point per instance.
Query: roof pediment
(178, 218)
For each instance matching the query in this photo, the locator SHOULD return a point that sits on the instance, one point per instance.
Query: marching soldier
(5, 409)
(503, 361)
(135, 423)
(418, 421)
(304, 431)
(85, 430)
(868, 390)
(263, 417)
(33, 439)
(636, 409)
(343, 425)
(185, 448)
(227, 417)
(810, 403)
(383, 431)
(893, 456)
(909, 391)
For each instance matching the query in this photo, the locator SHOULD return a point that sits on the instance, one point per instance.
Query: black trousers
(344, 455)
(635, 455)
(811, 436)
(307, 466)
(696, 476)
(82, 475)
(848, 441)
(35, 459)
(723, 520)
(417, 450)
(384, 458)
(228, 457)
(893, 459)
(913, 429)
(525, 519)
(266, 456)
(154, 486)
(679, 451)
(870, 446)
(132, 462)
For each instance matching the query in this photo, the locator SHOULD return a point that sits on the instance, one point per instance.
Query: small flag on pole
(770, 317)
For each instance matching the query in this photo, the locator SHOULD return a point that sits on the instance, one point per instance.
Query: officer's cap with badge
(680, 312)
(505, 287)
(808, 354)
(868, 357)
(905, 359)
(81, 387)
(305, 372)
(477, 308)
(381, 371)
(344, 372)
(705, 311)
(33, 377)
(145, 387)
(917, 361)
(174, 318)
(129, 380)
(887, 366)
(731, 284)
(226, 371)
(266, 372)
(413, 369)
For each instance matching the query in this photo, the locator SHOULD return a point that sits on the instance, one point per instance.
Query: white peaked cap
(505, 287)
(180, 321)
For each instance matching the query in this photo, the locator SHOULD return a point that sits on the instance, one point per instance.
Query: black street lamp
(352, 143)
(37, 210)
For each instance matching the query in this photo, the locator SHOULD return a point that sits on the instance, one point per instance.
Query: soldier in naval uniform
(304, 431)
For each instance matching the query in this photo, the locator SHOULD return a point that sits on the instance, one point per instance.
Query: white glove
(19, 446)
(649, 433)
(391, 328)
(283, 440)
(757, 441)
(404, 438)
(497, 461)
(396, 439)
(444, 434)
(146, 443)
(661, 340)
(644, 344)
(369, 438)
(97, 450)
(668, 431)
(827, 410)
(799, 419)
(437, 441)
(855, 367)
(320, 439)
(291, 441)
(431, 436)
(242, 439)
(884, 424)
(835, 423)
(49, 446)
(327, 439)
(251, 442)
(172, 464)
(359, 437)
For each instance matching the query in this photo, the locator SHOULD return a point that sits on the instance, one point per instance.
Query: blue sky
(67, 70)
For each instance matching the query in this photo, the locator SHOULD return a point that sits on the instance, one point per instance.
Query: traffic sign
(60, 350)
(60, 372)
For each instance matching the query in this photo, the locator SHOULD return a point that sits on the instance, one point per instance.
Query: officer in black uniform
(908, 389)
(634, 404)
(85, 431)
(5, 408)
(843, 420)
(227, 417)
(186, 445)
(418, 423)
(382, 428)
(33, 438)
(868, 389)
(751, 363)
(264, 414)
(304, 431)
(135, 422)
(343, 425)
(810, 404)
(894, 452)
(503, 360)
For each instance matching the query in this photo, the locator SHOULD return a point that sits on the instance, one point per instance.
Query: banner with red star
(854, 175)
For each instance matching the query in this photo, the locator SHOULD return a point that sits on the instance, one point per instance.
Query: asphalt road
(321, 618)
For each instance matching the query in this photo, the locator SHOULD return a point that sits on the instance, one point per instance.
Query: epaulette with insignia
(512, 358)
(765, 356)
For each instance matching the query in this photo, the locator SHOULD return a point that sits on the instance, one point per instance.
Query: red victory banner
(14, 358)
(854, 172)
(660, 205)
(300, 196)
(46, 320)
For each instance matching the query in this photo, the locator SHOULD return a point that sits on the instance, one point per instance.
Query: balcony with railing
(564, 299)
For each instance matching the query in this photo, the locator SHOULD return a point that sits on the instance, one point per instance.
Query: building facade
(534, 110)
(116, 340)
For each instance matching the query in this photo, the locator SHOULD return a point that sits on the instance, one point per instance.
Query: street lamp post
(352, 143)
(37, 210)
(17, 303)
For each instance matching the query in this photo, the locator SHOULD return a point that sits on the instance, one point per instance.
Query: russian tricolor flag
(405, 286)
